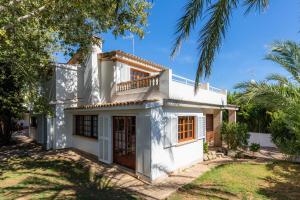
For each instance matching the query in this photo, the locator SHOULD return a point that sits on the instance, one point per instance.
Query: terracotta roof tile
(133, 57)
(113, 104)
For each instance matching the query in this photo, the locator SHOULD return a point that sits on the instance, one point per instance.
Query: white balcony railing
(154, 81)
(190, 82)
(139, 83)
(183, 80)
(214, 89)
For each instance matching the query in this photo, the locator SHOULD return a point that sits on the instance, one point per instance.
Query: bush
(254, 147)
(285, 130)
(235, 135)
(205, 147)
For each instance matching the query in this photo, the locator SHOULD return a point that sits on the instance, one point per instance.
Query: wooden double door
(124, 141)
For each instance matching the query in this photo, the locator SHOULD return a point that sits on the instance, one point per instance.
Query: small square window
(186, 128)
(86, 125)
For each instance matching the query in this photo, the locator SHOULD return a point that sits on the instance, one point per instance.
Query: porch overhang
(128, 105)
(193, 104)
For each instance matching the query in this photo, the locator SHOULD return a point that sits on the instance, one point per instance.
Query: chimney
(95, 72)
(97, 45)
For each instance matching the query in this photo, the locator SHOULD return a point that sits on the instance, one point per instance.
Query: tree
(235, 135)
(31, 31)
(10, 101)
(281, 95)
(214, 29)
(256, 116)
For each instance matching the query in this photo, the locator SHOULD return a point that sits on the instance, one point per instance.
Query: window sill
(186, 142)
(85, 137)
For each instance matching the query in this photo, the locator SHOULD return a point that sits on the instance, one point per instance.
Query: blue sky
(241, 56)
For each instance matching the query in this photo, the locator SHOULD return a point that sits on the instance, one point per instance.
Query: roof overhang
(193, 104)
(128, 105)
(129, 59)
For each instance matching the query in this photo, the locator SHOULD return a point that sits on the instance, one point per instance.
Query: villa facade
(132, 112)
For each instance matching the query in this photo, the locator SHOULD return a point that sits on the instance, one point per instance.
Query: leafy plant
(213, 30)
(254, 147)
(256, 116)
(285, 129)
(205, 147)
(33, 32)
(281, 95)
(235, 135)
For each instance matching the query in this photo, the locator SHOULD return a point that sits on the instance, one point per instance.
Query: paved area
(158, 190)
(270, 153)
(162, 190)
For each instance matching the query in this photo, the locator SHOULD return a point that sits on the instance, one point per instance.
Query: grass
(31, 175)
(275, 180)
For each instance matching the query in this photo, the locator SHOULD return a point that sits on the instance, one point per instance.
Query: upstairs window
(136, 74)
(186, 128)
(86, 125)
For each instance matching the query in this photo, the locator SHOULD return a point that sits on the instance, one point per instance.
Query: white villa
(132, 112)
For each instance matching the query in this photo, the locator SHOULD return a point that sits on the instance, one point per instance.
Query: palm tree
(213, 31)
(281, 95)
(276, 91)
(287, 55)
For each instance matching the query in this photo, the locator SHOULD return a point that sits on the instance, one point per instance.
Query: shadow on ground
(246, 180)
(285, 182)
(26, 171)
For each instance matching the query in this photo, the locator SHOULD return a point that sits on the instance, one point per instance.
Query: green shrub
(254, 147)
(235, 135)
(205, 147)
(285, 130)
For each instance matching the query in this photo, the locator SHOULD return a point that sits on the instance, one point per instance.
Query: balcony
(170, 86)
(139, 83)
(203, 86)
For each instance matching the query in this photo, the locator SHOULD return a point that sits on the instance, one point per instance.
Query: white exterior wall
(50, 132)
(68, 87)
(186, 92)
(67, 82)
(91, 76)
(89, 145)
(264, 139)
(107, 83)
(178, 155)
(122, 72)
(62, 127)
(96, 82)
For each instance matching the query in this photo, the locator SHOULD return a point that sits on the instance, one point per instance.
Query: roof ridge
(134, 57)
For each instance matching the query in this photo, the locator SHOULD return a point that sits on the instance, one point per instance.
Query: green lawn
(276, 180)
(32, 175)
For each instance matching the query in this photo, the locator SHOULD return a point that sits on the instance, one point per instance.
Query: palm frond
(268, 95)
(287, 54)
(255, 5)
(192, 11)
(278, 78)
(211, 35)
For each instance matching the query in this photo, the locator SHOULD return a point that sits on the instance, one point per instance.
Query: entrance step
(212, 155)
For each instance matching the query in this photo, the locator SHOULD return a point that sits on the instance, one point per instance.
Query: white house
(132, 112)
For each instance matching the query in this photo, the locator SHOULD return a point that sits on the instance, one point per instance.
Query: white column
(232, 116)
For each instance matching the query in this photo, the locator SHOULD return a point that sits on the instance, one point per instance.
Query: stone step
(221, 155)
(211, 155)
